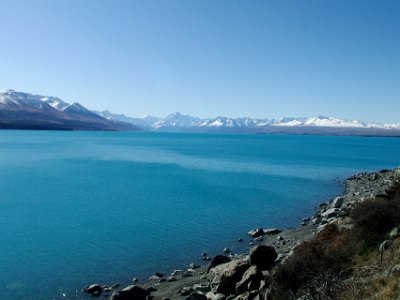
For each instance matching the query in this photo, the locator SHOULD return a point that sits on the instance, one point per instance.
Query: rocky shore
(248, 275)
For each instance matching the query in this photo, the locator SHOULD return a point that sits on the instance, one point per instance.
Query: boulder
(337, 202)
(93, 289)
(154, 277)
(132, 292)
(176, 272)
(250, 280)
(227, 250)
(263, 257)
(330, 213)
(194, 266)
(395, 232)
(316, 221)
(223, 278)
(256, 232)
(217, 260)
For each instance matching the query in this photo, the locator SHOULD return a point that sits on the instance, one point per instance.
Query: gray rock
(281, 257)
(177, 272)
(395, 269)
(250, 280)
(395, 232)
(132, 292)
(316, 221)
(217, 260)
(154, 277)
(94, 289)
(256, 232)
(151, 289)
(223, 277)
(330, 213)
(194, 266)
(337, 202)
(323, 205)
(135, 279)
(227, 250)
(263, 257)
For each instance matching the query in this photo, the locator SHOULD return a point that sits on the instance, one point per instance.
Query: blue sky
(206, 58)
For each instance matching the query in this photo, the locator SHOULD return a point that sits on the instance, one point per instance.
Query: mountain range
(302, 125)
(27, 111)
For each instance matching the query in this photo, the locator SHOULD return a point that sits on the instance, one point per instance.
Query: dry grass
(374, 277)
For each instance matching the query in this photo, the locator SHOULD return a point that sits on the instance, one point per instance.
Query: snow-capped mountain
(176, 120)
(142, 122)
(312, 125)
(319, 121)
(24, 110)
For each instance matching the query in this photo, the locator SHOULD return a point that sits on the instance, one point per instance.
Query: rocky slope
(252, 275)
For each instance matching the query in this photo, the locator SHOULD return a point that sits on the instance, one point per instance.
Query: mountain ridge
(178, 121)
(20, 110)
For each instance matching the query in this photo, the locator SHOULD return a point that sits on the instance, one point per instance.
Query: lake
(103, 207)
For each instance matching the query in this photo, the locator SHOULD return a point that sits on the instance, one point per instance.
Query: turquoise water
(84, 207)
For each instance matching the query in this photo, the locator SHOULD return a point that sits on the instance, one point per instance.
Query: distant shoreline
(272, 130)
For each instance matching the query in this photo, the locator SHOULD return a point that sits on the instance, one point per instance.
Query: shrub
(315, 266)
(374, 218)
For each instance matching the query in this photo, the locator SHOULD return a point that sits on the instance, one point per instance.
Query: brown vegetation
(346, 264)
(316, 266)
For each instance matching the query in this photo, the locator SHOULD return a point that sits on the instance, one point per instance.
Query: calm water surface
(84, 207)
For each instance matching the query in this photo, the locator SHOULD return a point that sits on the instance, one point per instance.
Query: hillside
(26, 111)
